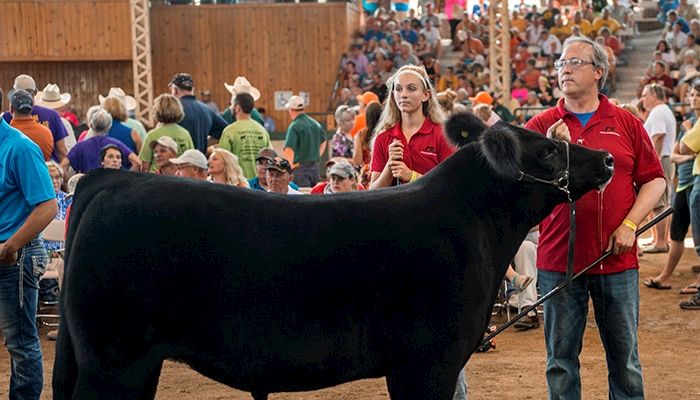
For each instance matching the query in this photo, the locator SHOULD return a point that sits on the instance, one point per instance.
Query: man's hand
(622, 240)
(8, 256)
(559, 131)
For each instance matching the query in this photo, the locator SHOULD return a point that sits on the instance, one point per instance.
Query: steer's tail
(65, 367)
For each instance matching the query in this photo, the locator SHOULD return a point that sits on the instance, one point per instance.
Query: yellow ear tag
(465, 134)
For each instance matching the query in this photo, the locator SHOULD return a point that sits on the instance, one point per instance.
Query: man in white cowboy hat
(46, 116)
(51, 97)
(199, 119)
(241, 85)
(131, 105)
(245, 137)
(304, 144)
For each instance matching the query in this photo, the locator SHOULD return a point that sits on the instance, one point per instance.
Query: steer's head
(520, 154)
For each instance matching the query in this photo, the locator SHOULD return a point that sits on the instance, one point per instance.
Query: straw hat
(241, 85)
(51, 97)
(119, 93)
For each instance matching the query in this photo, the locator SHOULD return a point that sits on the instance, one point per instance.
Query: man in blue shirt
(28, 204)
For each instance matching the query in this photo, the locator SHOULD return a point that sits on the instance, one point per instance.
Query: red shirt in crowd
(426, 149)
(636, 163)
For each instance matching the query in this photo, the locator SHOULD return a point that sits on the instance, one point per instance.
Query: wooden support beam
(142, 66)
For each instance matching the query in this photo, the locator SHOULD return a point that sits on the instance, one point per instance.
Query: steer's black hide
(270, 293)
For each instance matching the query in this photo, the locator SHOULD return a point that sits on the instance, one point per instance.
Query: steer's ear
(463, 128)
(501, 147)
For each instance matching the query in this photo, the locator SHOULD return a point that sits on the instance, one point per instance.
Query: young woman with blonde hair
(224, 168)
(410, 142)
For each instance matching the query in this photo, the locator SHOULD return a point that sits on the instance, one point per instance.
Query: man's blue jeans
(616, 306)
(18, 320)
(306, 175)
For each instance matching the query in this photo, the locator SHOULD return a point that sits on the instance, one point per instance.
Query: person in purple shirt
(45, 116)
(358, 58)
(85, 155)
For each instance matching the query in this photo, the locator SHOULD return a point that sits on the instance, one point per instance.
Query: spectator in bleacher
(668, 55)
(191, 164)
(531, 74)
(517, 21)
(341, 143)
(671, 19)
(111, 157)
(534, 31)
(661, 127)
(550, 44)
(385, 65)
(358, 58)
(345, 98)
(85, 155)
(545, 93)
(407, 32)
(532, 12)
(687, 11)
(168, 111)
(375, 32)
(422, 47)
(519, 91)
(690, 44)
(605, 20)
(304, 144)
(560, 30)
(432, 35)
(612, 41)
(583, 24)
(454, 10)
(199, 120)
(225, 169)
(612, 59)
(43, 115)
(472, 44)
(689, 64)
(415, 21)
(362, 152)
(620, 13)
(480, 8)
(245, 137)
(520, 58)
(431, 16)
(405, 56)
(448, 80)
(279, 177)
(164, 148)
(117, 109)
(676, 38)
(21, 103)
(432, 67)
(349, 71)
(666, 6)
(549, 14)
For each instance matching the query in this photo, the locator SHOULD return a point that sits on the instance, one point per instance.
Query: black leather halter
(561, 182)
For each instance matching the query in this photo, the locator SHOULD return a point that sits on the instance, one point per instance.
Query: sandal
(692, 304)
(521, 281)
(655, 250)
(690, 289)
(650, 283)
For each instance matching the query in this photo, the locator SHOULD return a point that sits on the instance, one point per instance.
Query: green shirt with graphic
(245, 138)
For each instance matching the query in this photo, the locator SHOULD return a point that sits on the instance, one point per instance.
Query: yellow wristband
(630, 224)
(414, 176)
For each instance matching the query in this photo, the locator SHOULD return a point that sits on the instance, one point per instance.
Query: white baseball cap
(193, 157)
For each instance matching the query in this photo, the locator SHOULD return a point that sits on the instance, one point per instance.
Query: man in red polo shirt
(584, 117)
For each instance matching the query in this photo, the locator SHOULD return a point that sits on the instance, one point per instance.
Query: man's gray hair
(101, 122)
(600, 57)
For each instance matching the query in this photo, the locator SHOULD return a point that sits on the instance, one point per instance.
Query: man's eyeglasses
(572, 62)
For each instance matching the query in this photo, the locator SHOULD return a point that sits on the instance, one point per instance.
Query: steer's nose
(609, 161)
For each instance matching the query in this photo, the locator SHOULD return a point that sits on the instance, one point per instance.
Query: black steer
(269, 293)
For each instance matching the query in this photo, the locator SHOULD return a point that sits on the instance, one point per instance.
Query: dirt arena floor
(515, 369)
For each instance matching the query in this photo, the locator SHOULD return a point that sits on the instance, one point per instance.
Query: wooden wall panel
(65, 30)
(83, 80)
(294, 47)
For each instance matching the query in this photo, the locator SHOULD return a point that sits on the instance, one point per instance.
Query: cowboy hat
(241, 85)
(118, 92)
(51, 97)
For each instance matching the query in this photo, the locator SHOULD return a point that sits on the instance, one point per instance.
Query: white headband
(425, 82)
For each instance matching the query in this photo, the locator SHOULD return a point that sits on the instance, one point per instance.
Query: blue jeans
(18, 302)
(616, 306)
(306, 175)
(694, 207)
(461, 388)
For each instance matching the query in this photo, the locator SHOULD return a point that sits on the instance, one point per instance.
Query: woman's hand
(395, 150)
(400, 170)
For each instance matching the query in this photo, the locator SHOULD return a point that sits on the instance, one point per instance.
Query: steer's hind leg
(422, 382)
(136, 381)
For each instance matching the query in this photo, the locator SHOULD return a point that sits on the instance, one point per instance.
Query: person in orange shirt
(360, 120)
(21, 104)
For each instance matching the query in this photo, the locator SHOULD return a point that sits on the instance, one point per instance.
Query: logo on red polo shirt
(609, 130)
(429, 151)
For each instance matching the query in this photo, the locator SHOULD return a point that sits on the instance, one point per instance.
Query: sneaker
(692, 304)
(52, 335)
(528, 322)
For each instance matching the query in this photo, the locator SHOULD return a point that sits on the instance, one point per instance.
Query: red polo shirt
(636, 163)
(426, 149)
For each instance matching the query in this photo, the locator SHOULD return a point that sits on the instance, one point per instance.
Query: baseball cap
(482, 98)
(266, 153)
(193, 157)
(182, 81)
(165, 141)
(21, 101)
(367, 97)
(295, 103)
(279, 164)
(25, 82)
(334, 160)
(342, 169)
